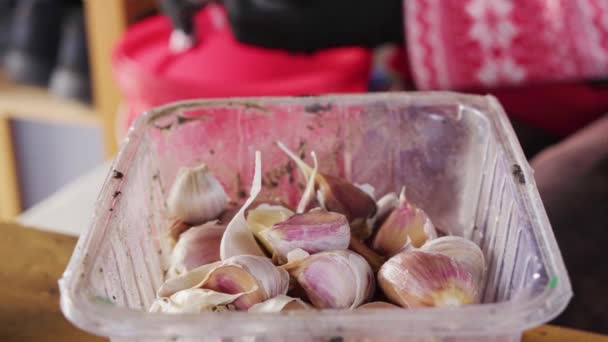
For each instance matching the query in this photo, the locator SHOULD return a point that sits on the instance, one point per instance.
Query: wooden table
(31, 261)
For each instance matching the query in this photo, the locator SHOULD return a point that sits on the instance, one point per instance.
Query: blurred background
(75, 74)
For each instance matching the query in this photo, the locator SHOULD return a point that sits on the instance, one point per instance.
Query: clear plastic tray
(456, 154)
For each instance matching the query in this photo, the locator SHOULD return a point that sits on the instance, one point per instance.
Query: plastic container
(457, 155)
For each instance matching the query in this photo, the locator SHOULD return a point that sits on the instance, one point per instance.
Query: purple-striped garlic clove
(196, 196)
(334, 279)
(420, 279)
(337, 195)
(196, 247)
(406, 224)
(314, 231)
(252, 279)
(256, 277)
(462, 250)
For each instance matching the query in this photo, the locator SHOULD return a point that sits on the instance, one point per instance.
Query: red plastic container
(149, 75)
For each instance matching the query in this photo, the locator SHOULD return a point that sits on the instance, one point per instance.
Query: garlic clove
(334, 279)
(373, 259)
(238, 239)
(193, 301)
(196, 247)
(257, 276)
(280, 303)
(254, 278)
(420, 279)
(462, 250)
(405, 224)
(337, 195)
(196, 196)
(234, 280)
(314, 231)
(378, 305)
(345, 198)
(264, 217)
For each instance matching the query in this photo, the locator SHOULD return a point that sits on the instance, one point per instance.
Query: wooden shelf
(35, 103)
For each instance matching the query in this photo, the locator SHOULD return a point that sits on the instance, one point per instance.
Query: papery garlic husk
(337, 195)
(462, 250)
(238, 239)
(280, 303)
(196, 247)
(378, 305)
(264, 217)
(194, 301)
(420, 279)
(196, 196)
(334, 279)
(405, 224)
(314, 231)
(255, 279)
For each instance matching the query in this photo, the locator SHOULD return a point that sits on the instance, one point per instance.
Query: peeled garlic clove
(337, 195)
(193, 301)
(238, 239)
(196, 196)
(462, 250)
(280, 303)
(314, 231)
(256, 277)
(196, 247)
(264, 217)
(378, 305)
(418, 279)
(334, 279)
(405, 224)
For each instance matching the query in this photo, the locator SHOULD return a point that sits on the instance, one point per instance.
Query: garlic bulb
(264, 217)
(314, 231)
(238, 239)
(417, 279)
(334, 279)
(280, 303)
(196, 196)
(253, 278)
(405, 224)
(337, 195)
(462, 250)
(196, 247)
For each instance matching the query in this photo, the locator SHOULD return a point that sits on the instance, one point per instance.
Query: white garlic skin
(196, 196)
(197, 246)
